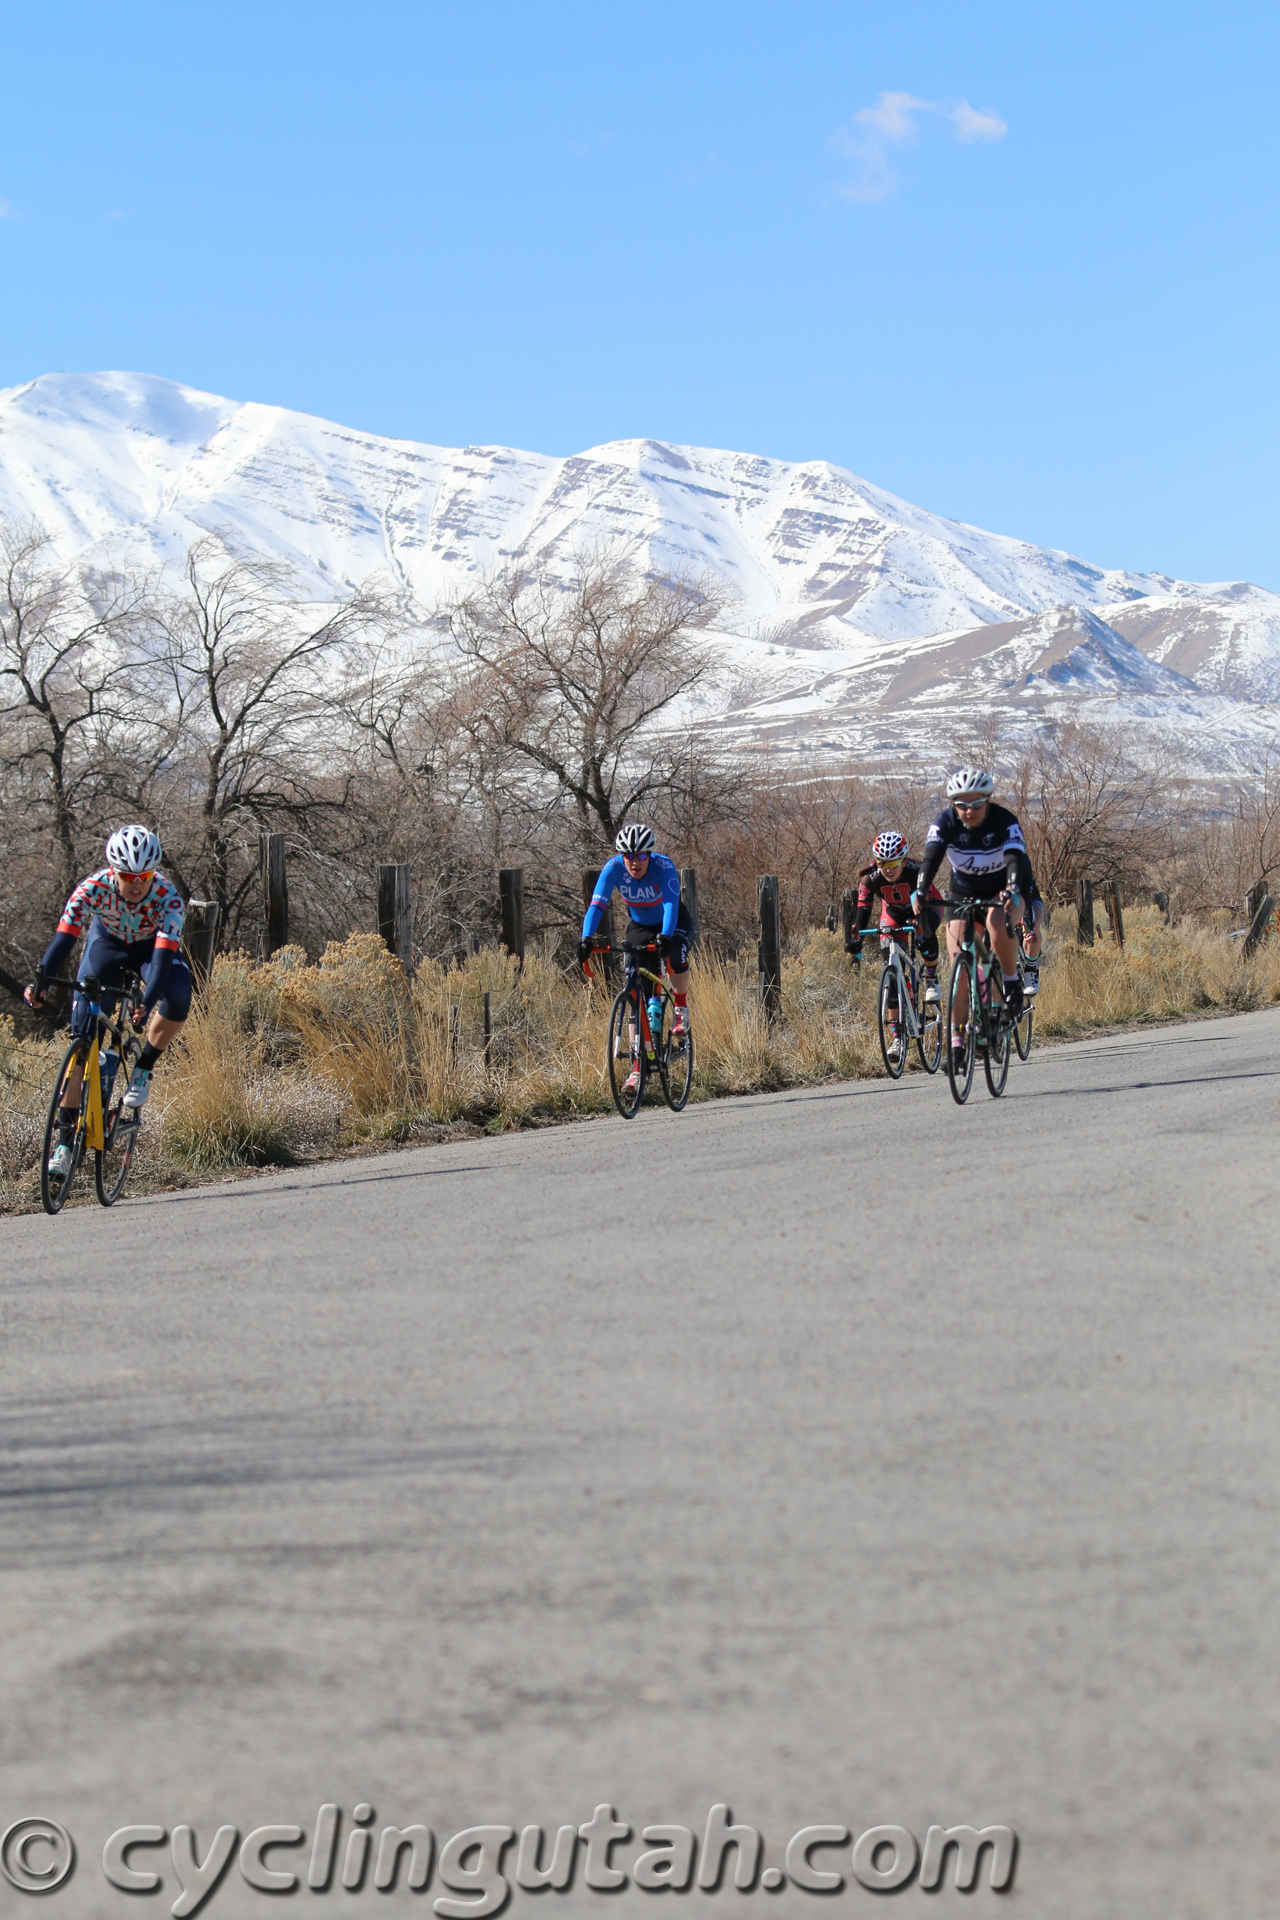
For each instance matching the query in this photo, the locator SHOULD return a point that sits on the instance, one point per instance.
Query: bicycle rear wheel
(960, 1072)
(1025, 1021)
(929, 1044)
(120, 1130)
(893, 1039)
(995, 1061)
(675, 1062)
(623, 1014)
(54, 1188)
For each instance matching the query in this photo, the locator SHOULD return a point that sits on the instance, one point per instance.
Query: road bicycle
(987, 1029)
(103, 1125)
(641, 1033)
(900, 1015)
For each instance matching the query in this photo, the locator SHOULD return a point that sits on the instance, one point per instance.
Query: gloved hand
(36, 992)
(584, 951)
(665, 943)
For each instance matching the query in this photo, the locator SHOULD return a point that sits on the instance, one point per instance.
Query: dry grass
(285, 1061)
(1161, 974)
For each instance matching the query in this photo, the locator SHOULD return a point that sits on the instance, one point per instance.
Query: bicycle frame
(92, 1132)
(637, 992)
(905, 970)
(969, 947)
(103, 1027)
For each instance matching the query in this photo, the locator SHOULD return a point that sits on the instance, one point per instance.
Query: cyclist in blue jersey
(650, 884)
(134, 916)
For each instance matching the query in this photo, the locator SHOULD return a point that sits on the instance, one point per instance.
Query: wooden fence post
(455, 1023)
(1111, 901)
(395, 913)
(1161, 900)
(848, 914)
(770, 949)
(689, 896)
(511, 900)
(1084, 913)
(200, 936)
(1258, 925)
(1253, 900)
(488, 1032)
(275, 893)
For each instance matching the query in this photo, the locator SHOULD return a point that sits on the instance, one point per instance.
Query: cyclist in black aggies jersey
(989, 863)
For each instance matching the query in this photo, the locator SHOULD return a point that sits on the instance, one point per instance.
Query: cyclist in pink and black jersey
(134, 920)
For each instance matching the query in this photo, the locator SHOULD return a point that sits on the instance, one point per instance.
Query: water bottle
(108, 1062)
(655, 1017)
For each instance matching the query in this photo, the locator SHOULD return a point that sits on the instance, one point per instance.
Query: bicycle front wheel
(675, 1058)
(960, 1059)
(929, 1044)
(995, 1061)
(111, 1166)
(893, 1039)
(55, 1187)
(622, 1018)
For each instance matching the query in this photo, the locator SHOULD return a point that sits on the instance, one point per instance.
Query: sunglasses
(970, 806)
(148, 876)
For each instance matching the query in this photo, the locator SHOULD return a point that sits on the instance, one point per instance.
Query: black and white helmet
(970, 783)
(134, 850)
(636, 840)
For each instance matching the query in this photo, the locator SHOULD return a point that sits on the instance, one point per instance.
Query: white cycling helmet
(970, 783)
(636, 840)
(889, 846)
(134, 850)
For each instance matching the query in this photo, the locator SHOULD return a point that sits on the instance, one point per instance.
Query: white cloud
(6, 210)
(976, 123)
(877, 133)
(869, 141)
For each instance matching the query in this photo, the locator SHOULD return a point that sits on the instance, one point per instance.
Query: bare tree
(573, 682)
(76, 689)
(252, 672)
(1089, 806)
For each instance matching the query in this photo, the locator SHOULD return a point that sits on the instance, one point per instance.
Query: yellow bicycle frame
(94, 1134)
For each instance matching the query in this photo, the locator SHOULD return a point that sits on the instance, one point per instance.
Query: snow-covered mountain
(860, 623)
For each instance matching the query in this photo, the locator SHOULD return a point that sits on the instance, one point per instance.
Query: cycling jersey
(159, 912)
(895, 907)
(894, 895)
(652, 900)
(985, 859)
(151, 929)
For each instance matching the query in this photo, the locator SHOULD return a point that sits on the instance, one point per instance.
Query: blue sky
(1017, 264)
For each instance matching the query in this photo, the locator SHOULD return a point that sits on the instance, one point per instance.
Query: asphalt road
(842, 1456)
